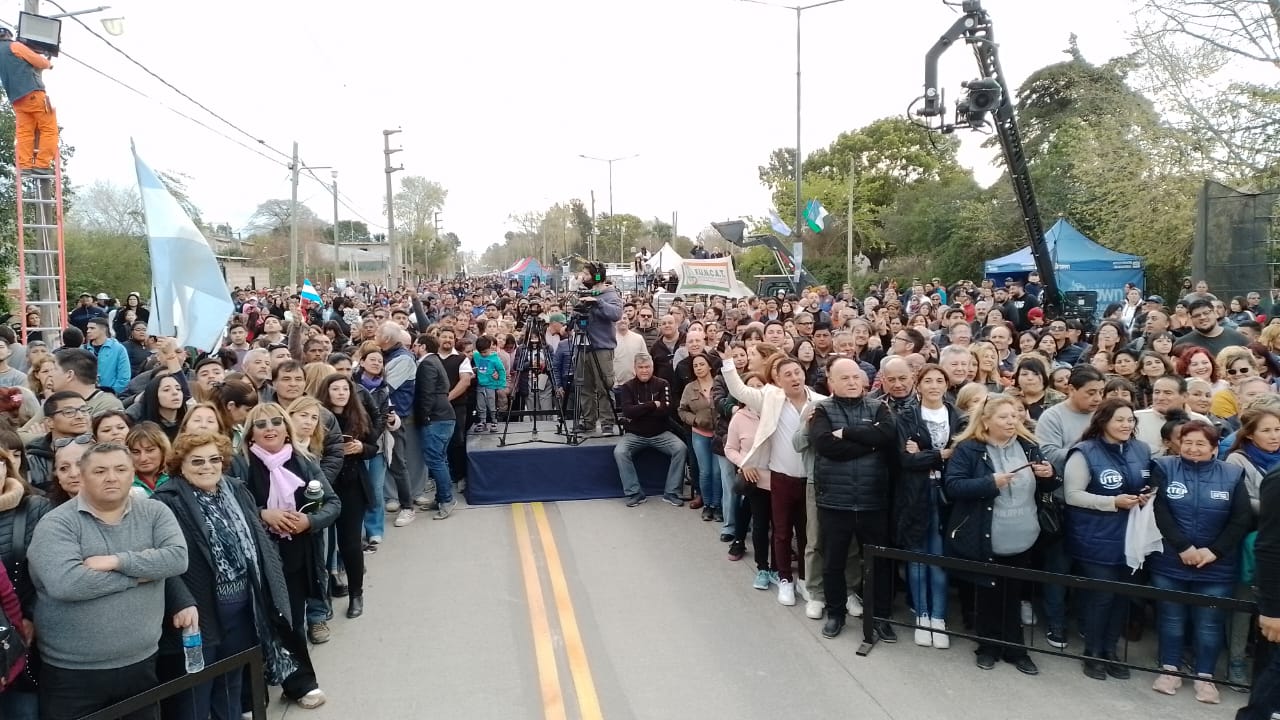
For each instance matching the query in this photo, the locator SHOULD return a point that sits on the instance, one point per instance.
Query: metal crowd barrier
(252, 658)
(874, 553)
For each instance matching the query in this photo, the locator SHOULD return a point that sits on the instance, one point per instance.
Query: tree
(416, 204)
(350, 231)
(1196, 56)
(103, 262)
(275, 216)
(110, 209)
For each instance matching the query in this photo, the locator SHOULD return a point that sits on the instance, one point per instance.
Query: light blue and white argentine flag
(309, 292)
(189, 296)
(778, 226)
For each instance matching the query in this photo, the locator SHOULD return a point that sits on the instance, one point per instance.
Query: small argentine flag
(815, 216)
(778, 226)
(309, 292)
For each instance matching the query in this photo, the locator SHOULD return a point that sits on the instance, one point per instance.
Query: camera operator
(602, 307)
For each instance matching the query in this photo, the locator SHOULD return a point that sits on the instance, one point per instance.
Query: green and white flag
(815, 216)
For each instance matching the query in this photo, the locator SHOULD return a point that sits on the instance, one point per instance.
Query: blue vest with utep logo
(1199, 496)
(1097, 536)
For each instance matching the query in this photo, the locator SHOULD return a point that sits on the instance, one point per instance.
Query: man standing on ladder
(36, 135)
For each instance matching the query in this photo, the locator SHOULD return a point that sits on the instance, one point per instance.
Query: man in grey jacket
(99, 563)
(604, 308)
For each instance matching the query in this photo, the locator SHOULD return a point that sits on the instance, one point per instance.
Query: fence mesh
(1237, 243)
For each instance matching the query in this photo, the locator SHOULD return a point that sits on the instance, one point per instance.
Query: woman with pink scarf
(277, 474)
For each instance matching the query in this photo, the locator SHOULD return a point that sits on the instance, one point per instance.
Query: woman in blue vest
(1202, 510)
(1106, 475)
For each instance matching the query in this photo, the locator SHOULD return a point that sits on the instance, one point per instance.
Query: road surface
(590, 610)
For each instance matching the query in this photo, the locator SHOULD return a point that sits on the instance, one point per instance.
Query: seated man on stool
(644, 408)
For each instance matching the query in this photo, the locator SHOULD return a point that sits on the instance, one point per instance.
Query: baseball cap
(558, 317)
(1155, 299)
(1035, 314)
(103, 296)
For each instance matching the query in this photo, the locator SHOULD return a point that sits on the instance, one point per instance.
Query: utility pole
(435, 222)
(293, 220)
(848, 262)
(336, 260)
(397, 262)
(591, 242)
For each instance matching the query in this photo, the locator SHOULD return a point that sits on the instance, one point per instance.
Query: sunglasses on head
(262, 424)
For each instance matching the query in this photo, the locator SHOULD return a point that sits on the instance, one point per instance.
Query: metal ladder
(42, 268)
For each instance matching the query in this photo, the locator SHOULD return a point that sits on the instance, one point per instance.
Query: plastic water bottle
(193, 648)
(314, 493)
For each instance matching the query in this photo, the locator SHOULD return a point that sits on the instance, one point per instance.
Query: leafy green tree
(103, 262)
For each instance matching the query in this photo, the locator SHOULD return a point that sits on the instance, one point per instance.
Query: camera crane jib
(990, 94)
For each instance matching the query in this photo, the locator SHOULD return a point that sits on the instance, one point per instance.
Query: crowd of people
(958, 421)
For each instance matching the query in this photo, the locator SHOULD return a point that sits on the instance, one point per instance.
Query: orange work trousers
(36, 134)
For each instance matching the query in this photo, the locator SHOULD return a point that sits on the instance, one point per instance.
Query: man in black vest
(457, 368)
(852, 436)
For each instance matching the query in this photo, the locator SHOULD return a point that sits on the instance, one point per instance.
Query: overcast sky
(498, 99)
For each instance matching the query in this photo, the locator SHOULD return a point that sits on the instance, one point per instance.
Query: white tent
(665, 260)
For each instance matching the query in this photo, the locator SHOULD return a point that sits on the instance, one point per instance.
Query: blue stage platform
(551, 471)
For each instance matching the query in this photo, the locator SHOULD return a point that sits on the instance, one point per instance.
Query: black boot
(336, 587)
(355, 606)
(833, 625)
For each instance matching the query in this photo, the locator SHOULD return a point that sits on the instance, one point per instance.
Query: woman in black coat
(925, 430)
(21, 508)
(234, 580)
(360, 433)
(277, 475)
(994, 479)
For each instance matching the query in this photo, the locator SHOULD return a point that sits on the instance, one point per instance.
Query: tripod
(534, 349)
(581, 353)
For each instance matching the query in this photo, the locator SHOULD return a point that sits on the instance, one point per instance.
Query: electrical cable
(342, 200)
(164, 105)
(171, 86)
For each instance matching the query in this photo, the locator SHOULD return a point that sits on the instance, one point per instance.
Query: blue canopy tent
(528, 269)
(1081, 264)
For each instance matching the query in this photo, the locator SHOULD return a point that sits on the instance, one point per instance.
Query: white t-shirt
(939, 424)
(783, 457)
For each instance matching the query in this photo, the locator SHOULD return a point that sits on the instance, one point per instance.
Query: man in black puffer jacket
(852, 437)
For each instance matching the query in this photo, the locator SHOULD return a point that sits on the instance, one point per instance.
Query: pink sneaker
(1167, 684)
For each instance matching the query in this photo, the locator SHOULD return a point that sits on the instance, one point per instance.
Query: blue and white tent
(1081, 264)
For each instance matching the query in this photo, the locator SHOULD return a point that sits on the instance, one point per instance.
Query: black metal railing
(251, 658)
(874, 553)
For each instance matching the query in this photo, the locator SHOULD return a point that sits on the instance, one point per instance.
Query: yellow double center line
(543, 638)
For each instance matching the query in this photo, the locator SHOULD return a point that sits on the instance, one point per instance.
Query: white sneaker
(802, 589)
(942, 641)
(393, 506)
(405, 517)
(1028, 614)
(923, 637)
(786, 593)
(813, 609)
(854, 605)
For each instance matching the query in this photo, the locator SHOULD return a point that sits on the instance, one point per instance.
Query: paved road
(591, 610)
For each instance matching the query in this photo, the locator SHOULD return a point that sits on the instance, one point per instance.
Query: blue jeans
(708, 470)
(435, 438)
(1209, 624)
(16, 705)
(1104, 612)
(728, 473)
(219, 699)
(375, 518)
(1054, 559)
(929, 582)
(666, 443)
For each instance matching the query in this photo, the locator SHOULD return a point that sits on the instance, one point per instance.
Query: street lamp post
(799, 10)
(610, 162)
(336, 260)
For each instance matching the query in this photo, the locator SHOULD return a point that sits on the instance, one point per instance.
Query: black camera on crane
(981, 96)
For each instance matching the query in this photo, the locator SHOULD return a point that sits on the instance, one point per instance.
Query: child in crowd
(492, 376)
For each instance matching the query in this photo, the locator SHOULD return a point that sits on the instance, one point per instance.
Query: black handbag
(1049, 511)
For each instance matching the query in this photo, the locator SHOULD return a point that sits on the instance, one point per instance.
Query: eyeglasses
(1201, 314)
(70, 412)
(201, 462)
(1057, 328)
(804, 322)
(1239, 371)
(262, 424)
(646, 317)
(78, 440)
(900, 338)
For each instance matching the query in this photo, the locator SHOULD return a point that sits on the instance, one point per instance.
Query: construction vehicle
(789, 282)
(987, 103)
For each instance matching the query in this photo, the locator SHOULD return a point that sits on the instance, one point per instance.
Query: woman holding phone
(1105, 477)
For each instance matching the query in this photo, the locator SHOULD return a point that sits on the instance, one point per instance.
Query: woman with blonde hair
(315, 373)
(994, 479)
(987, 361)
(150, 449)
(1234, 363)
(308, 430)
(277, 474)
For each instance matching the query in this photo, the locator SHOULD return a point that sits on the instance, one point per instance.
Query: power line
(164, 105)
(342, 200)
(170, 85)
